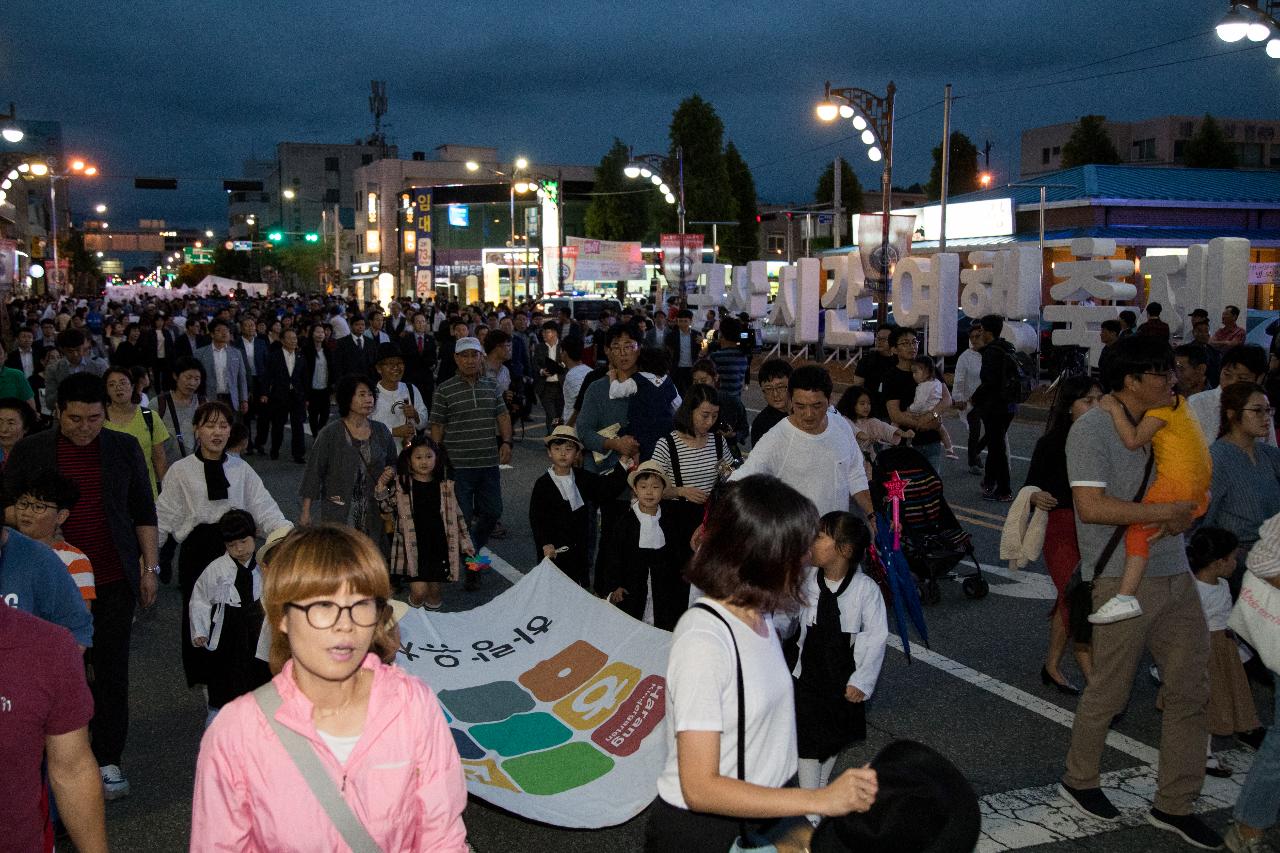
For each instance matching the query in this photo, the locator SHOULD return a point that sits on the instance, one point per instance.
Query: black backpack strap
(742, 704)
(1118, 533)
(675, 459)
(149, 419)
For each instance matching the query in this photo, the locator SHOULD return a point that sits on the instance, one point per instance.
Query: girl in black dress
(226, 614)
(840, 647)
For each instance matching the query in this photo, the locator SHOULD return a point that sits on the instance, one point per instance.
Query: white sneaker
(1117, 609)
(114, 785)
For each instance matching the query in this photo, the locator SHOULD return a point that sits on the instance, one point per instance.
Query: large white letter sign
(847, 302)
(713, 295)
(1090, 278)
(1226, 276)
(1169, 287)
(809, 271)
(1095, 276)
(926, 293)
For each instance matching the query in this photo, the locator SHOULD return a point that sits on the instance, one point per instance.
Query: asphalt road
(975, 696)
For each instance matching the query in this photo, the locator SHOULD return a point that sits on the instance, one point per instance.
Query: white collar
(567, 485)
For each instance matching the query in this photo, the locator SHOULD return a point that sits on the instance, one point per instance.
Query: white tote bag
(1256, 619)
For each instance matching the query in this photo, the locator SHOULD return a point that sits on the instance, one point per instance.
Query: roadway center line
(502, 567)
(1123, 743)
(1011, 456)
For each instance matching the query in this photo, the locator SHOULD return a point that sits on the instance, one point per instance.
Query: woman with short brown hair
(377, 733)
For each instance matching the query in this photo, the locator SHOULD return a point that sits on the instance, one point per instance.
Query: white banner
(607, 260)
(555, 699)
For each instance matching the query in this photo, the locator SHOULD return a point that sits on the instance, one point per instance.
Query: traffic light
(311, 237)
(552, 191)
(275, 236)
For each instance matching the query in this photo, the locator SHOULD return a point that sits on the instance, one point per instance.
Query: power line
(1105, 74)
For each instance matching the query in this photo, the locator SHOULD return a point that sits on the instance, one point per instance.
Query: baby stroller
(932, 539)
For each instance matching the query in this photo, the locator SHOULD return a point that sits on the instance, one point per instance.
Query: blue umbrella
(907, 609)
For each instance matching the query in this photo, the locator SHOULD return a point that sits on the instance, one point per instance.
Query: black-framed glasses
(1257, 410)
(325, 614)
(774, 388)
(23, 505)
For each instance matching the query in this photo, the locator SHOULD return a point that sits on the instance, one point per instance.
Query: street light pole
(873, 116)
(649, 166)
(680, 213)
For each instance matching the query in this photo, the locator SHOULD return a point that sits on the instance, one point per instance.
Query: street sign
(242, 245)
(197, 256)
(824, 218)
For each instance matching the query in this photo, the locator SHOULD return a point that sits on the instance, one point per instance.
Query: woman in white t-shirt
(749, 563)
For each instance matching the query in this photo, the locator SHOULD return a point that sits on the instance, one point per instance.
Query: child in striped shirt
(41, 510)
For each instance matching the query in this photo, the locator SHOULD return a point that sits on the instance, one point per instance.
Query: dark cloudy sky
(190, 89)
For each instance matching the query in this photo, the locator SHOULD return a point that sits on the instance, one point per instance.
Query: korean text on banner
(607, 260)
(555, 699)
(420, 210)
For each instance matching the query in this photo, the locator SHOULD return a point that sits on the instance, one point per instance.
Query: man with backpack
(1000, 389)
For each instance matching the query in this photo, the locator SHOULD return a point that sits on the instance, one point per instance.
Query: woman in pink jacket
(379, 734)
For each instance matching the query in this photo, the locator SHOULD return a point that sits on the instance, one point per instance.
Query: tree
(300, 264)
(744, 245)
(231, 264)
(963, 167)
(193, 274)
(850, 188)
(619, 210)
(1089, 143)
(708, 194)
(1208, 147)
(83, 274)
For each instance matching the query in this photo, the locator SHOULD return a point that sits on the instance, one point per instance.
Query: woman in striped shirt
(693, 457)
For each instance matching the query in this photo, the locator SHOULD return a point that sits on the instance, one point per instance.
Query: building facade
(473, 198)
(1158, 141)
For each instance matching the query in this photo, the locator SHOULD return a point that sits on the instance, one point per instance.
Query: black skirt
(233, 669)
(826, 722)
(202, 546)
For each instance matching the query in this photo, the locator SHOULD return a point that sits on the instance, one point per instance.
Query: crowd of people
(125, 430)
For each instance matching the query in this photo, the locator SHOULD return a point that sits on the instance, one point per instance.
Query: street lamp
(40, 169)
(1254, 20)
(872, 116)
(650, 166)
(99, 208)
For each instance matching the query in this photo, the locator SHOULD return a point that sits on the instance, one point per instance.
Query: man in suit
(356, 353)
(397, 323)
(684, 346)
(157, 345)
(287, 380)
(186, 344)
(418, 348)
(26, 355)
(225, 377)
(253, 348)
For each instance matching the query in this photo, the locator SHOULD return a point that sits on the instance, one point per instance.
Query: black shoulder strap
(675, 460)
(1118, 533)
(741, 699)
(150, 421)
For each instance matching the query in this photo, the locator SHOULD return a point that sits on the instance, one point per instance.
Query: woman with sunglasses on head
(383, 748)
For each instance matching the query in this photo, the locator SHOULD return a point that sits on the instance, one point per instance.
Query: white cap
(468, 343)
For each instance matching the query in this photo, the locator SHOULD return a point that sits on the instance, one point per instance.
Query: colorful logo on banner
(420, 209)
(555, 699)
(607, 260)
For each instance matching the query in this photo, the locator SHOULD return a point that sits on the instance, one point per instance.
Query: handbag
(1256, 619)
(304, 757)
(1079, 592)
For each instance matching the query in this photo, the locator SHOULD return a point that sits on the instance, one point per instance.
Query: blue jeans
(931, 452)
(479, 492)
(1259, 802)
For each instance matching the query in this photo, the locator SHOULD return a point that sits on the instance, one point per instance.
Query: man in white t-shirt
(813, 450)
(1245, 363)
(396, 405)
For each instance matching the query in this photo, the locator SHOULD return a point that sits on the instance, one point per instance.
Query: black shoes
(1189, 827)
(1252, 739)
(1064, 687)
(1090, 801)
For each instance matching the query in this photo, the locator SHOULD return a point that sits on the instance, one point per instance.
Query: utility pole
(946, 167)
(986, 156)
(836, 197)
